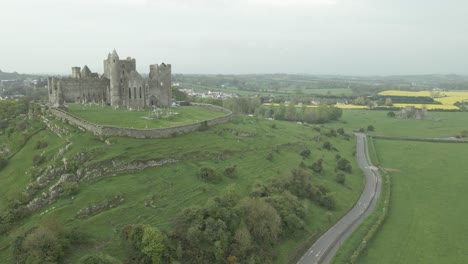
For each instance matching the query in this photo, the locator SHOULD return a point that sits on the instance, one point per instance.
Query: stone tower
(112, 71)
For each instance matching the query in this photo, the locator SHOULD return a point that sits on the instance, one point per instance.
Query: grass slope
(427, 219)
(125, 118)
(176, 186)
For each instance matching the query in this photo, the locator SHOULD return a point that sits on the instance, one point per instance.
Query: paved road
(326, 246)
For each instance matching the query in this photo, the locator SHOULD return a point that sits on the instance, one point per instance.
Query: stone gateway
(119, 86)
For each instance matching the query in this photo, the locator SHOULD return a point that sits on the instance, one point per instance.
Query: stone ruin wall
(145, 133)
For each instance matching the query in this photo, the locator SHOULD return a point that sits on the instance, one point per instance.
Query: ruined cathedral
(120, 85)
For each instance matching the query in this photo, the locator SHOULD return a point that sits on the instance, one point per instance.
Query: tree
(360, 101)
(340, 131)
(388, 102)
(370, 128)
(262, 220)
(391, 114)
(327, 145)
(152, 243)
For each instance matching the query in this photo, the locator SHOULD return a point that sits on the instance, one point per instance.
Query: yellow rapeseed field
(448, 99)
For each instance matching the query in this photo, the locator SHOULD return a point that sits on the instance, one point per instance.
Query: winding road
(325, 247)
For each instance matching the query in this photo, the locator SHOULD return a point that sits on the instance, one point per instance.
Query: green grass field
(134, 119)
(427, 217)
(441, 124)
(176, 185)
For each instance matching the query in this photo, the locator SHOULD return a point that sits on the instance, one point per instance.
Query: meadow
(426, 221)
(439, 124)
(176, 186)
(135, 119)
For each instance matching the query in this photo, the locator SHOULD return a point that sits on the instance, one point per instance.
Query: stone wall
(145, 133)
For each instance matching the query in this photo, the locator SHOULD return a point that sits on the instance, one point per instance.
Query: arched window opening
(140, 92)
(134, 92)
(130, 93)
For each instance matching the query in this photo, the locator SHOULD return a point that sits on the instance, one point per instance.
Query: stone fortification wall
(145, 133)
(84, 90)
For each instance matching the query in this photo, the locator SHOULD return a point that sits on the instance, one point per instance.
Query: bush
(340, 131)
(41, 144)
(344, 165)
(327, 145)
(391, 114)
(209, 175)
(340, 178)
(231, 172)
(269, 157)
(328, 201)
(38, 159)
(370, 128)
(3, 163)
(317, 166)
(70, 188)
(305, 153)
(98, 259)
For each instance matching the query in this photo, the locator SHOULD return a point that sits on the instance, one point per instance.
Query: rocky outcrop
(100, 170)
(100, 207)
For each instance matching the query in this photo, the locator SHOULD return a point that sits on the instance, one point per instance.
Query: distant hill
(15, 76)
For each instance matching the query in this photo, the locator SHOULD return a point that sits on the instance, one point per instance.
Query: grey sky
(350, 37)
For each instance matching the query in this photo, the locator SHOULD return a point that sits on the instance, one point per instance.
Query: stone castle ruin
(119, 86)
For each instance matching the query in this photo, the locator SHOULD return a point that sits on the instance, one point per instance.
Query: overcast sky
(347, 37)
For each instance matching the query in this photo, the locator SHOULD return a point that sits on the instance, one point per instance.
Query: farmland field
(448, 99)
(135, 119)
(427, 217)
(439, 124)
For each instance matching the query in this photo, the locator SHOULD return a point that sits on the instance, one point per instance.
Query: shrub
(231, 172)
(98, 259)
(340, 131)
(3, 163)
(38, 159)
(344, 165)
(269, 157)
(70, 188)
(317, 166)
(340, 178)
(370, 128)
(328, 201)
(305, 153)
(327, 145)
(391, 114)
(41, 144)
(209, 175)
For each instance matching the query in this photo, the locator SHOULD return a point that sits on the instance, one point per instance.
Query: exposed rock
(100, 207)
(36, 204)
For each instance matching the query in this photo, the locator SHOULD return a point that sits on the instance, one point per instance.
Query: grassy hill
(151, 181)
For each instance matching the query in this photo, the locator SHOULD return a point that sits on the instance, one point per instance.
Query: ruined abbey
(120, 85)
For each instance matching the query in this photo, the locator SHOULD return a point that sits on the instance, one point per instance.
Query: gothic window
(130, 93)
(134, 92)
(140, 92)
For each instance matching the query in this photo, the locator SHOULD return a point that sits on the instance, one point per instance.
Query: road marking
(318, 253)
(310, 252)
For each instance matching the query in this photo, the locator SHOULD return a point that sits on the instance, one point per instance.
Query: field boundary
(145, 133)
(440, 140)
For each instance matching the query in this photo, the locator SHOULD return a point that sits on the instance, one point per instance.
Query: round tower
(114, 77)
